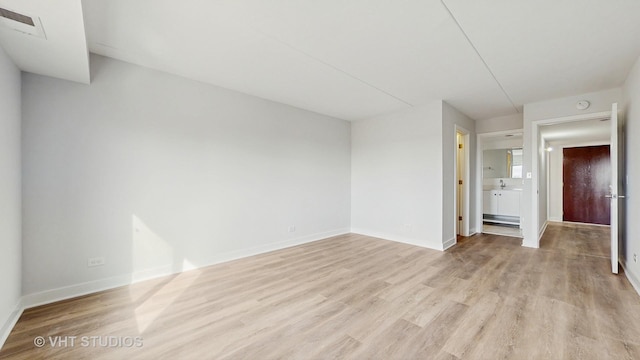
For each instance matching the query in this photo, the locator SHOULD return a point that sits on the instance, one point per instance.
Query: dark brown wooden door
(586, 173)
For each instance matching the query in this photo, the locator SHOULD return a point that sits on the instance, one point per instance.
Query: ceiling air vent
(16, 17)
(26, 24)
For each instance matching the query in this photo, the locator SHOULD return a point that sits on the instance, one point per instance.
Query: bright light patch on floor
(153, 256)
(158, 301)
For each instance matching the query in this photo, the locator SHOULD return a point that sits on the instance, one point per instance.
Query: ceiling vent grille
(16, 17)
(26, 24)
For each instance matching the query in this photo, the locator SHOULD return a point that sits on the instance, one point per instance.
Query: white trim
(466, 182)
(635, 282)
(394, 238)
(501, 234)
(572, 118)
(542, 230)
(75, 290)
(500, 133)
(480, 140)
(449, 243)
(72, 291)
(555, 220)
(11, 321)
(585, 224)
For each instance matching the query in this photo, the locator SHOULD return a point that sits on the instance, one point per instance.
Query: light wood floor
(363, 298)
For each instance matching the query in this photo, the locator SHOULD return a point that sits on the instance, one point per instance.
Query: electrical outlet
(96, 261)
(292, 228)
(635, 258)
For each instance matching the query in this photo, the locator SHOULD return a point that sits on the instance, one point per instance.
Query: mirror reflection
(502, 163)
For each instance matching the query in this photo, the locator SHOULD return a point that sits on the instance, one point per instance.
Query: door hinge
(459, 146)
(460, 218)
(459, 182)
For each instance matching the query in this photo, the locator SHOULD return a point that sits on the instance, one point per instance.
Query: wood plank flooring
(356, 297)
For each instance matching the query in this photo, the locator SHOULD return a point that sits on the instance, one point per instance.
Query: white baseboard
(71, 291)
(449, 243)
(536, 245)
(530, 245)
(635, 282)
(10, 322)
(555, 219)
(396, 238)
(542, 230)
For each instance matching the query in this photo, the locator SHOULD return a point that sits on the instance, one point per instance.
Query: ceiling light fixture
(549, 149)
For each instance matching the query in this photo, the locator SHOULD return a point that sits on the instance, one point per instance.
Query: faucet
(502, 184)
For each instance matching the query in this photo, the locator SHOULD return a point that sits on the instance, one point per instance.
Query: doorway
(459, 183)
(462, 186)
(587, 180)
(500, 156)
(537, 190)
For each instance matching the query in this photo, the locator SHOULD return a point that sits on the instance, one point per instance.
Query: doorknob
(614, 196)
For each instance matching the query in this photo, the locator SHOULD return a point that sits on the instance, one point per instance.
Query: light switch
(528, 175)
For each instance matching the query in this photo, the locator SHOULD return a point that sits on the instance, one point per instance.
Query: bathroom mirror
(502, 163)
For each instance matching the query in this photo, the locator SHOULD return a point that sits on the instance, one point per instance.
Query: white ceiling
(63, 54)
(354, 59)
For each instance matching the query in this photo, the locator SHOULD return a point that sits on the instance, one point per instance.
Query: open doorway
(501, 158)
(580, 125)
(462, 183)
(578, 171)
(460, 159)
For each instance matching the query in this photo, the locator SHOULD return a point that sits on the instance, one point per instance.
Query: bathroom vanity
(502, 206)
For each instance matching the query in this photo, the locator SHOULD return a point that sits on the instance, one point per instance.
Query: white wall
(501, 123)
(508, 143)
(396, 176)
(158, 173)
(632, 134)
(450, 118)
(401, 163)
(555, 108)
(10, 206)
(533, 220)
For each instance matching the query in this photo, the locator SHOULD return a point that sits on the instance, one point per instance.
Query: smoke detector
(582, 105)
(20, 22)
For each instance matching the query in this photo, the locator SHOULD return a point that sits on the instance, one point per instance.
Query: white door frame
(532, 234)
(480, 141)
(466, 186)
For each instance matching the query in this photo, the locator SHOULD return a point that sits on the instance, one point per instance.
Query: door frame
(480, 143)
(532, 234)
(466, 186)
